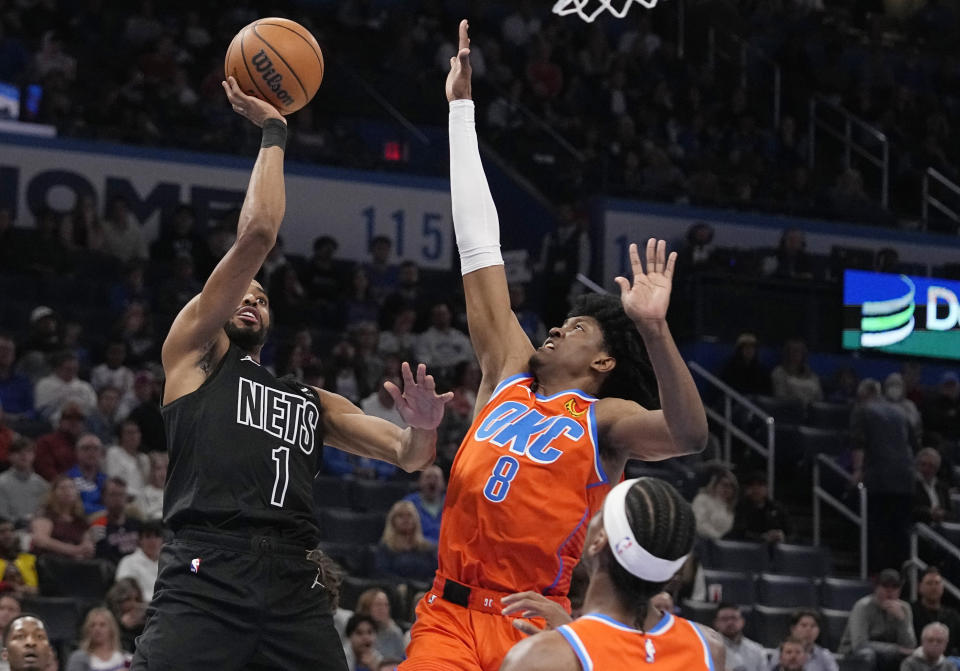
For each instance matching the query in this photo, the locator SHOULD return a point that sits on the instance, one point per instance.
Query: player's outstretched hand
(647, 298)
(458, 79)
(419, 404)
(532, 604)
(249, 107)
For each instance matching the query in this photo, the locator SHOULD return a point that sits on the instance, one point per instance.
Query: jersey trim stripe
(597, 463)
(576, 392)
(507, 382)
(578, 647)
(665, 623)
(708, 658)
(586, 514)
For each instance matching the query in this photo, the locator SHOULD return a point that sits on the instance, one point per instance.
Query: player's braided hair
(632, 378)
(663, 524)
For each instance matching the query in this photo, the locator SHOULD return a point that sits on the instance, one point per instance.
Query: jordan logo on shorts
(195, 565)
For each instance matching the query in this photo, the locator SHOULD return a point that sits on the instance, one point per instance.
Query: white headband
(629, 553)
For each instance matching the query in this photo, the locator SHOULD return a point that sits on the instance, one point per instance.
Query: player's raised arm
(412, 449)
(199, 326)
(681, 426)
(501, 345)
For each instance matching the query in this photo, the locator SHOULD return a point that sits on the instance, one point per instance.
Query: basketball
(276, 60)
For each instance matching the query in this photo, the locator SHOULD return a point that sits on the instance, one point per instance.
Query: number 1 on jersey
(281, 457)
(504, 471)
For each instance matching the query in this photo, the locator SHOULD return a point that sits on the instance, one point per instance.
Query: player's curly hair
(664, 525)
(632, 378)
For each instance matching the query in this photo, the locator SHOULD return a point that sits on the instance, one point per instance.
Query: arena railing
(921, 530)
(735, 49)
(822, 495)
(730, 428)
(933, 178)
(843, 130)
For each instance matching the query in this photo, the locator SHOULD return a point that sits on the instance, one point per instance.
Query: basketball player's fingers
(421, 374)
(446, 397)
(661, 255)
(406, 374)
(671, 264)
(394, 392)
(651, 255)
(526, 627)
(464, 34)
(464, 57)
(624, 285)
(635, 264)
(429, 384)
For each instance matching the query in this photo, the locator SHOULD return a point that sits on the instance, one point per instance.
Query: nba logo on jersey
(195, 565)
(650, 650)
(623, 545)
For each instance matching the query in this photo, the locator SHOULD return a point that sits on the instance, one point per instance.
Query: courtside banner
(901, 314)
(351, 206)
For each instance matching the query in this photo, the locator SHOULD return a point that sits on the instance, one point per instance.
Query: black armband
(274, 134)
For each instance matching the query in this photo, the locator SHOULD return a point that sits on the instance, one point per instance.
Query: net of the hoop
(588, 10)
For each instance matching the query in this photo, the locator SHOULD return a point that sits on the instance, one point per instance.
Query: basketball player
(634, 545)
(236, 588)
(26, 646)
(530, 467)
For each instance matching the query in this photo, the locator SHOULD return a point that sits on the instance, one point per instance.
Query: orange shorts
(448, 637)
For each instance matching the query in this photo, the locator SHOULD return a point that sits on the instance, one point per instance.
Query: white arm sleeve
(475, 221)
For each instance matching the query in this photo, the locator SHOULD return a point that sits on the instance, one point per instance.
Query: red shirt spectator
(55, 450)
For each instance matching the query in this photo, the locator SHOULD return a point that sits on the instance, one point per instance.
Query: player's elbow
(259, 229)
(692, 441)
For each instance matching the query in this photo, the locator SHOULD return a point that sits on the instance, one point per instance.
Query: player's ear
(603, 363)
(598, 543)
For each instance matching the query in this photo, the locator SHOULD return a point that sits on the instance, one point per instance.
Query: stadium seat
(331, 492)
(832, 625)
(853, 664)
(356, 559)
(842, 593)
(702, 612)
(788, 447)
(813, 441)
(377, 494)
(61, 616)
(770, 624)
(346, 526)
(824, 415)
(786, 590)
(783, 410)
(737, 555)
(805, 560)
(87, 580)
(352, 588)
(734, 586)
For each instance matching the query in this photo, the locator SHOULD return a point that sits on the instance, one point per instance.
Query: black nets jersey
(244, 450)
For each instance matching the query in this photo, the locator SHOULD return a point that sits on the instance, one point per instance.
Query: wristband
(274, 134)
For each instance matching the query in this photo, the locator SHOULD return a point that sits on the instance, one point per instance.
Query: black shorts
(232, 602)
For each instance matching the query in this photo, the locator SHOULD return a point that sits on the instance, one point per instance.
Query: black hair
(632, 378)
(151, 528)
(356, 620)
(801, 613)
(663, 524)
(725, 605)
(927, 571)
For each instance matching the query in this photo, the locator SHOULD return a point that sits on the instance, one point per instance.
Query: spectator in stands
(883, 461)
(358, 648)
(10, 610)
(146, 413)
(177, 291)
(357, 302)
(929, 656)
(103, 420)
(458, 414)
(758, 517)
(27, 647)
(82, 228)
(428, 502)
(132, 287)
(400, 340)
(880, 628)
(114, 532)
(88, 473)
(60, 526)
(743, 371)
(21, 490)
(714, 504)
(126, 461)
(288, 297)
(126, 603)
(390, 641)
(441, 346)
(403, 552)
(793, 378)
(143, 564)
(383, 276)
(114, 372)
(791, 260)
(409, 292)
(43, 338)
(122, 235)
(62, 385)
(929, 608)
(844, 385)
(370, 365)
(7, 436)
(564, 252)
(99, 644)
(931, 497)
(16, 390)
(55, 450)
(135, 329)
(805, 629)
(325, 277)
(344, 373)
(895, 392)
(528, 318)
(12, 556)
(380, 402)
(150, 500)
(742, 653)
(791, 656)
(941, 415)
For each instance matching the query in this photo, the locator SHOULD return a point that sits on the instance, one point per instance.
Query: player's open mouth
(548, 345)
(249, 316)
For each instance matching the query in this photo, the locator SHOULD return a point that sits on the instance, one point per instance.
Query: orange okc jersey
(603, 644)
(519, 501)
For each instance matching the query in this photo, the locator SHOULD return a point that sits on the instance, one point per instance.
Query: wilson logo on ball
(270, 76)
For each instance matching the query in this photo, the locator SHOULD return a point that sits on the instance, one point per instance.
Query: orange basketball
(276, 60)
